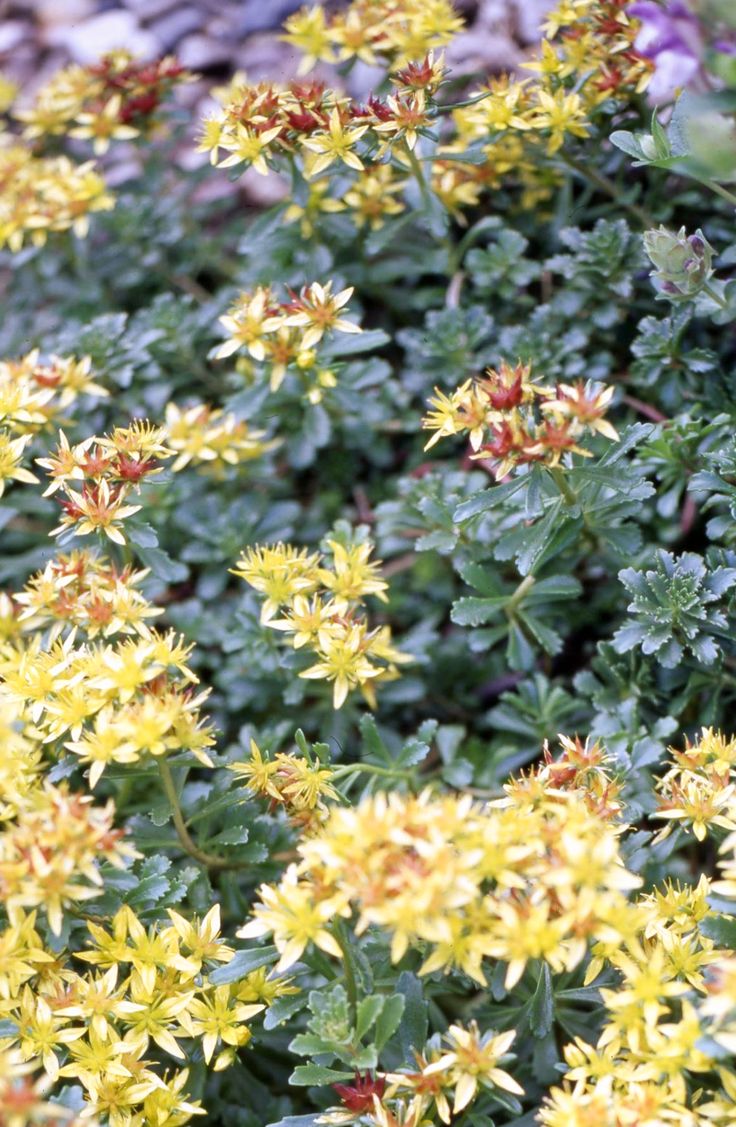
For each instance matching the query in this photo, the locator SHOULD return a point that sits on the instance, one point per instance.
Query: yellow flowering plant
(366, 582)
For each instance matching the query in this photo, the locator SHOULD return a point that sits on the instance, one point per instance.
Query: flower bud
(684, 262)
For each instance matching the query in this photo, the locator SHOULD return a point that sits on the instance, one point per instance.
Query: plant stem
(607, 186)
(419, 176)
(715, 296)
(720, 191)
(526, 585)
(209, 860)
(373, 769)
(351, 984)
(558, 476)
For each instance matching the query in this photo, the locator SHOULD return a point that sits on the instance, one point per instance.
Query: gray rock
(85, 42)
(12, 34)
(529, 16)
(264, 15)
(198, 52)
(170, 29)
(148, 10)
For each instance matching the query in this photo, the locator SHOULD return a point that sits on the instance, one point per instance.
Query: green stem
(209, 860)
(373, 769)
(607, 186)
(720, 191)
(351, 984)
(419, 176)
(715, 296)
(448, 107)
(526, 585)
(558, 476)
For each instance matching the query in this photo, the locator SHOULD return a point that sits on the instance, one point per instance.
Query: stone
(12, 33)
(172, 28)
(200, 52)
(85, 42)
(52, 14)
(148, 10)
(529, 16)
(255, 15)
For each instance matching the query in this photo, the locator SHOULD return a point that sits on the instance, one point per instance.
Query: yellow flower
(338, 143)
(447, 416)
(11, 454)
(103, 126)
(317, 309)
(279, 573)
(473, 1062)
(292, 915)
(307, 31)
(199, 942)
(250, 147)
(215, 1017)
(352, 575)
(560, 113)
(343, 661)
(150, 1014)
(371, 197)
(248, 321)
(40, 1033)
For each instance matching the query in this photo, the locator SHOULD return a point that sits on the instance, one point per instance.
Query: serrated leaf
(472, 611)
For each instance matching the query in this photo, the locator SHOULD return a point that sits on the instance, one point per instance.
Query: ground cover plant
(367, 659)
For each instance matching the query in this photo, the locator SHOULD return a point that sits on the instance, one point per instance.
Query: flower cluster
(322, 602)
(36, 393)
(652, 1040)
(96, 1013)
(294, 783)
(33, 395)
(23, 1091)
(260, 126)
(86, 591)
(211, 439)
(51, 851)
(535, 875)
(284, 335)
(387, 32)
(698, 792)
(117, 98)
(117, 702)
(40, 195)
(512, 125)
(512, 421)
(105, 472)
(451, 1071)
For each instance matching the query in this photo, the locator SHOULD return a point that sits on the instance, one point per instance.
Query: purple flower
(671, 36)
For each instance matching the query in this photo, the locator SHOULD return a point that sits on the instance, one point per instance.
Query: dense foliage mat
(367, 657)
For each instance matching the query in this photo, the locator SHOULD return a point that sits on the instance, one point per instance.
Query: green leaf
(241, 963)
(414, 1022)
(487, 499)
(542, 1009)
(368, 1011)
(389, 1019)
(472, 611)
(162, 566)
(351, 344)
(283, 1008)
(315, 1075)
(721, 929)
